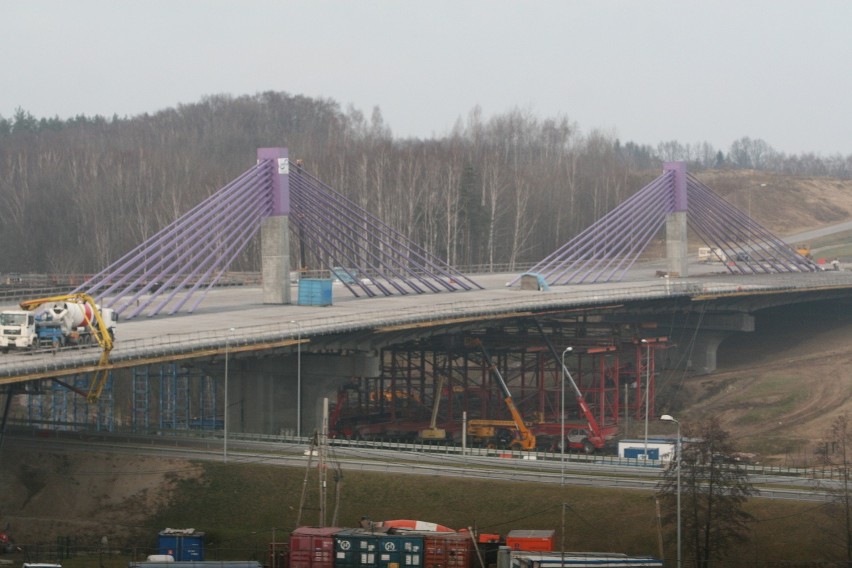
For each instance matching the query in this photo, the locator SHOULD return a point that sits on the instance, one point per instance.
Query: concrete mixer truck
(56, 322)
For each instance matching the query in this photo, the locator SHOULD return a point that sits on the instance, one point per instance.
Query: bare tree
(714, 490)
(836, 452)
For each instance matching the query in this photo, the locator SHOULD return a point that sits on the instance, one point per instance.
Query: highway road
(603, 472)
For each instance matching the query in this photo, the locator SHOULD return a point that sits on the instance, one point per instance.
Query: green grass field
(241, 508)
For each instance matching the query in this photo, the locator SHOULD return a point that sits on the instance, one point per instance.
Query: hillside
(776, 391)
(111, 507)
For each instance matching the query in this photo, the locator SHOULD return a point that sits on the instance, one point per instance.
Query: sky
(644, 71)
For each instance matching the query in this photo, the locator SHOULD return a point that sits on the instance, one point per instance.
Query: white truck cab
(17, 329)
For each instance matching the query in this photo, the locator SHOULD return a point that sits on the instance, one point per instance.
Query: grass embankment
(240, 507)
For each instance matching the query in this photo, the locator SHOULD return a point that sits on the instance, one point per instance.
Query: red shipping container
(312, 547)
(537, 541)
(448, 550)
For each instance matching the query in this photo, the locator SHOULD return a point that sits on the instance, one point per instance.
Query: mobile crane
(71, 313)
(591, 437)
(488, 431)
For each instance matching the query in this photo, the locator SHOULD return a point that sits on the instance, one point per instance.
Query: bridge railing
(461, 306)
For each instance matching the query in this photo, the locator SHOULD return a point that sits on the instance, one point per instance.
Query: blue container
(400, 551)
(183, 547)
(356, 548)
(315, 292)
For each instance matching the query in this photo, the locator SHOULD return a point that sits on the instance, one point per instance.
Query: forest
(499, 193)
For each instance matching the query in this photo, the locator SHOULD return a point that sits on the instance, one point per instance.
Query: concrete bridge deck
(237, 319)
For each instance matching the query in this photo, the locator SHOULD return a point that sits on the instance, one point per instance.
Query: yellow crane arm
(527, 438)
(99, 329)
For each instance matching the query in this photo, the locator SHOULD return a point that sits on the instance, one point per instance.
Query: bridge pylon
(335, 235)
(688, 209)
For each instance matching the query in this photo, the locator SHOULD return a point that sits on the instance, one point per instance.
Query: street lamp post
(298, 381)
(669, 418)
(562, 415)
(225, 438)
(647, 385)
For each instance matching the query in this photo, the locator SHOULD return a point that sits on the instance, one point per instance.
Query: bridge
(398, 317)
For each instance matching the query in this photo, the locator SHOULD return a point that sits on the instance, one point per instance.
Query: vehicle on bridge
(708, 255)
(55, 322)
(58, 321)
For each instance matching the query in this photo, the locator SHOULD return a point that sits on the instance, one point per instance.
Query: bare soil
(88, 497)
(776, 391)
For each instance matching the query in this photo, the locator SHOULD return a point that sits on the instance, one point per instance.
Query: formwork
(448, 376)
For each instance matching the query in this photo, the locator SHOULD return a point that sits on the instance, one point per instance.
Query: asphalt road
(594, 472)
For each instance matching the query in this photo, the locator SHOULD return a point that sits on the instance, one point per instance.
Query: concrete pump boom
(98, 329)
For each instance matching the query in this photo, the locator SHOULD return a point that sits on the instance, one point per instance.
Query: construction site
(505, 388)
(501, 387)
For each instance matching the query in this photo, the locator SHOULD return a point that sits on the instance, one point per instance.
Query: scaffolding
(55, 406)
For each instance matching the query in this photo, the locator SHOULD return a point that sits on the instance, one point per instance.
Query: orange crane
(487, 430)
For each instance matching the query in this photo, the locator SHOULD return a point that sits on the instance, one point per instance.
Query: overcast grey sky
(646, 71)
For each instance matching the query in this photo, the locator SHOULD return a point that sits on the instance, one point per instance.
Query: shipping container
(356, 548)
(312, 547)
(181, 544)
(531, 540)
(448, 550)
(403, 550)
(315, 292)
(661, 449)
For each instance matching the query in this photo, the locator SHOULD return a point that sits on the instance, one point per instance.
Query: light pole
(225, 442)
(670, 418)
(298, 381)
(647, 386)
(562, 415)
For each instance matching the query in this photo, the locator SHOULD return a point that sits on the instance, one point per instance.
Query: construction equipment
(513, 433)
(77, 317)
(708, 255)
(433, 432)
(594, 438)
(804, 249)
(52, 323)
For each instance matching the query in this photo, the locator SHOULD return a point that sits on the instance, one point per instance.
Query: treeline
(77, 194)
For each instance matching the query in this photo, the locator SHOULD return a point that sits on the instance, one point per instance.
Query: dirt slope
(776, 390)
(83, 495)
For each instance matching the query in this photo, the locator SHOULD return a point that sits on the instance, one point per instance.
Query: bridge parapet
(163, 339)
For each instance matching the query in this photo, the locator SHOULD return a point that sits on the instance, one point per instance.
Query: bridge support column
(262, 393)
(699, 356)
(275, 231)
(676, 227)
(708, 331)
